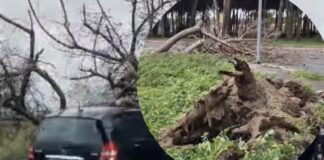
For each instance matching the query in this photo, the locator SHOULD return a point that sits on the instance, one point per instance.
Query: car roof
(92, 112)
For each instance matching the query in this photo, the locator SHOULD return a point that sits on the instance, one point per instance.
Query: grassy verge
(167, 87)
(303, 43)
(307, 75)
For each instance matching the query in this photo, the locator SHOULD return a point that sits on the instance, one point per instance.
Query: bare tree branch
(11, 22)
(108, 38)
(17, 100)
(53, 84)
(73, 46)
(118, 57)
(7, 80)
(112, 28)
(67, 24)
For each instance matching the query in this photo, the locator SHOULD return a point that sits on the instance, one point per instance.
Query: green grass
(267, 148)
(167, 87)
(169, 84)
(303, 43)
(203, 151)
(307, 75)
(320, 110)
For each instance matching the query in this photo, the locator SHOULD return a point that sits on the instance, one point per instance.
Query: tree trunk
(276, 21)
(193, 12)
(179, 22)
(167, 26)
(155, 30)
(295, 21)
(227, 16)
(305, 25)
(217, 28)
(234, 21)
(162, 26)
(149, 6)
(237, 21)
(314, 28)
(289, 20)
(246, 14)
(173, 23)
(299, 24)
(187, 19)
(23, 112)
(280, 16)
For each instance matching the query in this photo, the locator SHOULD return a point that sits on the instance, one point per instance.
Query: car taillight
(31, 155)
(109, 152)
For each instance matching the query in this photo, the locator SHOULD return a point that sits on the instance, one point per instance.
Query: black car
(95, 133)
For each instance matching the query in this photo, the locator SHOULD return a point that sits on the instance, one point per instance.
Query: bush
(14, 145)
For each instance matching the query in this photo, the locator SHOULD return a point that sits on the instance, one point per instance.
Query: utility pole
(258, 51)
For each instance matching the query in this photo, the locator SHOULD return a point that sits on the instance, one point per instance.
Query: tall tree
(193, 12)
(299, 22)
(227, 16)
(17, 77)
(305, 26)
(217, 27)
(289, 20)
(162, 26)
(280, 16)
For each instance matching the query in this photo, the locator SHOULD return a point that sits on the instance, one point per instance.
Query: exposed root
(248, 106)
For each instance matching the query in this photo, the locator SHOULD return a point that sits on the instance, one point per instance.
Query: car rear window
(69, 131)
(130, 126)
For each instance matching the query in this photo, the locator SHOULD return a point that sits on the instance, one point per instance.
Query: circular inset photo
(229, 79)
(161, 79)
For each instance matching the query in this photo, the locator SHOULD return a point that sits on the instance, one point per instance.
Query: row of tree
(229, 17)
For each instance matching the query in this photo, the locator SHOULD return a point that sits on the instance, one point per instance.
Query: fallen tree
(209, 42)
(183, 34)
(195, 45)
(247, 106)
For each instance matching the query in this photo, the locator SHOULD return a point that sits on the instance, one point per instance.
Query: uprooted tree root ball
(247, 106)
